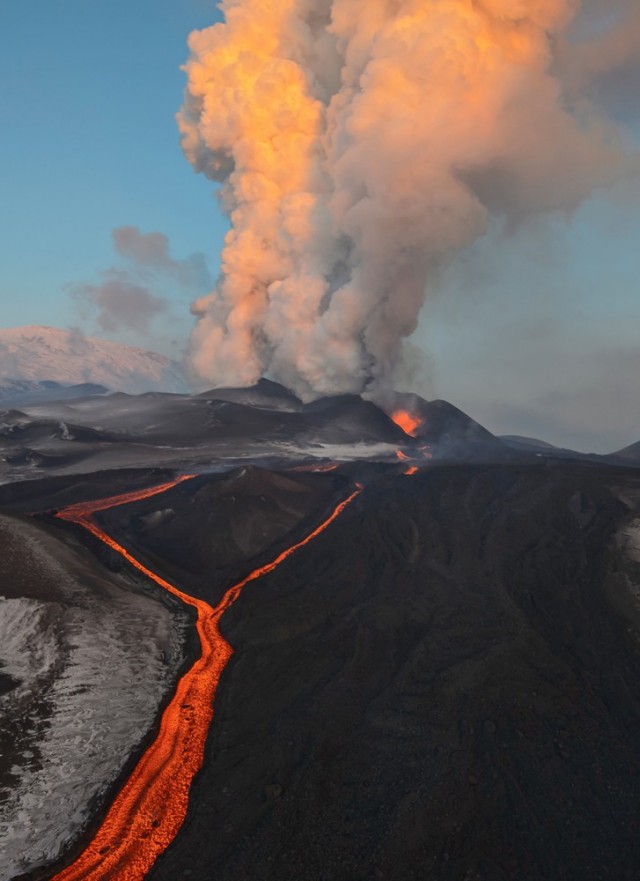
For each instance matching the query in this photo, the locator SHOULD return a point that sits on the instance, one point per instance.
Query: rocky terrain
(442, 685)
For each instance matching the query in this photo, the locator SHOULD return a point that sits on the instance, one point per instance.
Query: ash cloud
(117, 303)
(129, 297)
(151, 251)
(363, 144)
(603, 58)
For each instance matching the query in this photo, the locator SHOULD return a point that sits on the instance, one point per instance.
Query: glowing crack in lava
(408, 423)
(149, 810)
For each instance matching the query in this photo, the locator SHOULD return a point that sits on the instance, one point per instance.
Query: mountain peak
(37, 353)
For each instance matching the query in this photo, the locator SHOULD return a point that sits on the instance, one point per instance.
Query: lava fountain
(149, 810)
(408, 423)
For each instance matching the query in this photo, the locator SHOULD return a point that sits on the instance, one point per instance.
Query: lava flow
(149, 810)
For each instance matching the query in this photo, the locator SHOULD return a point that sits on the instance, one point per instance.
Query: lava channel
(149, 810)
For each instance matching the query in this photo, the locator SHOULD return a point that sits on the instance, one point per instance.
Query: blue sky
(89, 143)
(536, 333)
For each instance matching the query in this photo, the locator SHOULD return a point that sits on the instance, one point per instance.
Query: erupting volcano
(280, 617)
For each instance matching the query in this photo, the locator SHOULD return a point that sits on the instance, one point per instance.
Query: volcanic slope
(119, 430)
(450, 432)
(203, 532)
(89, 657)
(629, 455)
(444, 685)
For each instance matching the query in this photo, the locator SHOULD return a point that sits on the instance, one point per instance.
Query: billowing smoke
(362, 143)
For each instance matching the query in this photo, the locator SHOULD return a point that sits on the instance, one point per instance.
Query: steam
(360, 145)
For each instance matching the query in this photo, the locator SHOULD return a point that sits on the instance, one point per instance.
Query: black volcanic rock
(531, 444)
(446, 424)
(56, 492)
(630, 454)
(541, 448)
(442, 686)
(349, 419)
(199, 529)
(181, 431)
(200, 420)
(22, 392)
(450, 432)
(266, 394)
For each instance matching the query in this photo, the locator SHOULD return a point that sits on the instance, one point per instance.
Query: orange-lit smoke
(361, 144)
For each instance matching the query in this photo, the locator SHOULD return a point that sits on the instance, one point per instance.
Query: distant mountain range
(34, 357)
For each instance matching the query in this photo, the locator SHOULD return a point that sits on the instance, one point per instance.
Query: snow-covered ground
(36, 353)
(92, 662)
(629, 540)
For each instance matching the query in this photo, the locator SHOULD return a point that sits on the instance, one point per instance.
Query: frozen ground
(629, 540)
(89, 659)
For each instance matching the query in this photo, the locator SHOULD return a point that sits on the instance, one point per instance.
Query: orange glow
(411, 471)
(402, 456)
(149, 810)
(408, 423)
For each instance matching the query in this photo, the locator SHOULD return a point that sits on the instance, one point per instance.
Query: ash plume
(360, 145)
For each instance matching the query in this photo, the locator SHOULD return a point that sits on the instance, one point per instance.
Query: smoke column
(360, 144)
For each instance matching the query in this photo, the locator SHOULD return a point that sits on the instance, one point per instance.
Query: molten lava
(402, 456)
(408, 423)
(149, 810)
(411, 471)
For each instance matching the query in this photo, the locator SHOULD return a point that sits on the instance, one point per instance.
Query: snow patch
(628, 541)
(36, 353)
(91, 671)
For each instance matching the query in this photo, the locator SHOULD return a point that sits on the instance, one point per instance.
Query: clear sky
(538, 333)
(89, 89)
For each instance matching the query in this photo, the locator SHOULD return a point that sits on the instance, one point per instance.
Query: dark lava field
(443, 685)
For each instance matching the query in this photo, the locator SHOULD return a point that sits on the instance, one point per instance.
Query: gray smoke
(362, 144)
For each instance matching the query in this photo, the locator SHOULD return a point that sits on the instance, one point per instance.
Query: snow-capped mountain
(34, 353)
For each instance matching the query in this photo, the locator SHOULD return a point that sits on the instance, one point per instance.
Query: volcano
(248, 637)
(80, 434)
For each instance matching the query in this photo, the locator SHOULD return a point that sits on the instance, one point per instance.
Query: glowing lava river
(149, 810)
